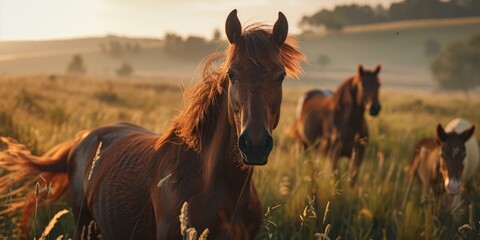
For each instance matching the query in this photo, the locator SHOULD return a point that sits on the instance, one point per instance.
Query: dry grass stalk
(321, 236)
(326, 212)
(95, 159)
(160, 183)
(52, 223)
(189, 233)
(82, 235)
(184, 219)
(204, 235)
(464, 227)
(91, 225)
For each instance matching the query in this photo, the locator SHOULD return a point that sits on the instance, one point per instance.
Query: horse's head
(452, 157)
(368, 84)
(255, 70)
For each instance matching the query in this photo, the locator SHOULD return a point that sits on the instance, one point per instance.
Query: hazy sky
(46, 19)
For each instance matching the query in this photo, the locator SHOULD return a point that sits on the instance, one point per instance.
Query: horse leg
(356, 159)
(85, 226)
(332, 150)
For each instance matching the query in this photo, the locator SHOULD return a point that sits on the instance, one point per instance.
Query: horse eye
(281, 78)
(231, 76)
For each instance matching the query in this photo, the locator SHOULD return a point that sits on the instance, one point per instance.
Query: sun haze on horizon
(57, 19)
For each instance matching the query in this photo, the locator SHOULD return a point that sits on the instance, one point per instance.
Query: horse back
(101, 144)
(312, 108)
(312, 94)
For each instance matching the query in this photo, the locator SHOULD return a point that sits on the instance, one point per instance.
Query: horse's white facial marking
(455, 151)
(453, 185)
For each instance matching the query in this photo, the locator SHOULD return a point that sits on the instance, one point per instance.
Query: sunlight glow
(46, 19)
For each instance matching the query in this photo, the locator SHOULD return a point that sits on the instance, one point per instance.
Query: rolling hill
(398, 46)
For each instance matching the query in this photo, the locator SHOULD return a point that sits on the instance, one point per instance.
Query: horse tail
(292, 131)
(32, 180)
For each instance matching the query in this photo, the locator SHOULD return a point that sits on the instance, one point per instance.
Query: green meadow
(302, 197)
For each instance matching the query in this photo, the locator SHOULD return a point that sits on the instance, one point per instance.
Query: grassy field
(302, 197)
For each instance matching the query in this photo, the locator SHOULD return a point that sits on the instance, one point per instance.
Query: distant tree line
(191, 48)
(457, 66)
(117, 47)
(348, 15)
(76, 66)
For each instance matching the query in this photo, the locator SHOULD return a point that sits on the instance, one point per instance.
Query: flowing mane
(197, 119)
(345, 93)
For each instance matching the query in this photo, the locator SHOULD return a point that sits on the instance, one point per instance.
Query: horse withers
(449, 162)
(334, 122)
(131, 183)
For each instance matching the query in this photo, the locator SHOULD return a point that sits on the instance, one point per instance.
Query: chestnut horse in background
(132, 182)
(448, 162)
(334, 122)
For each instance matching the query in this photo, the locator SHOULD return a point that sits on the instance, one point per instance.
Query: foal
(450, 161)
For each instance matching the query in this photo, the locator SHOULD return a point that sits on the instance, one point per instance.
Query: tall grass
(302, 197)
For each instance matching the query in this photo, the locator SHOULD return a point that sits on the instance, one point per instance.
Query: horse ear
(360, 69)
(377, 69)
(441, 134)
(233, 28)
(467, 134)
(280, 30)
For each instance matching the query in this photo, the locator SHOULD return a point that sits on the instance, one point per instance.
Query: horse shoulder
(176, 181)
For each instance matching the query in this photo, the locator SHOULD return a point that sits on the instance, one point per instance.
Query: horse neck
(221, 158)
(346, 101)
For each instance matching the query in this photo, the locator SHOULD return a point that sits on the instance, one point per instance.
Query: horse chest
(217, 212)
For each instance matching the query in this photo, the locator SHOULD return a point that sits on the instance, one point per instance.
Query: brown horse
(443, 164)
(132, 182)
(335, 122)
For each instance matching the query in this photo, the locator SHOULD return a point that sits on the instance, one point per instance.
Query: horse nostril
(375, 109)
(244, 143)
(268, 144)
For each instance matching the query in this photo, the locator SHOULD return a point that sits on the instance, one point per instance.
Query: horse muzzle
(255, 150)
(375, 109)
(453, 186)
